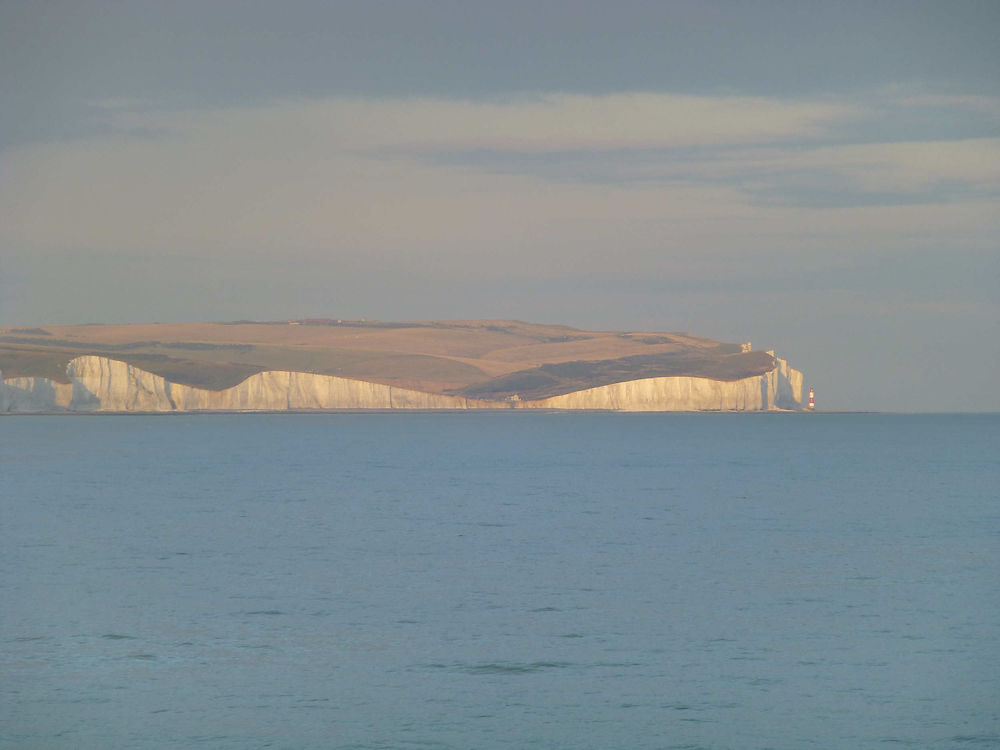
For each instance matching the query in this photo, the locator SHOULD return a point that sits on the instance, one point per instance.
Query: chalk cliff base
(100, 384)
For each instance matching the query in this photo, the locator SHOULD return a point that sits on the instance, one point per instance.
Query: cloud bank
(556, 175)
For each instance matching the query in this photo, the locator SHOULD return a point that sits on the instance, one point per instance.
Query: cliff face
(107, 385)
(102, 384)
(781, 388)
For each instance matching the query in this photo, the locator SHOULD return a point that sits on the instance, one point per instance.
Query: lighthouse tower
(812, 399)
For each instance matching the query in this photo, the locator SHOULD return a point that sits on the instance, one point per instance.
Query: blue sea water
(500, 580)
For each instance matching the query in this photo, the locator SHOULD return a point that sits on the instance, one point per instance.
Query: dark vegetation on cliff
(485, 359)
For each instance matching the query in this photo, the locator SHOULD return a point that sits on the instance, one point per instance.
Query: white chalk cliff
(99, 384)
(781, 388)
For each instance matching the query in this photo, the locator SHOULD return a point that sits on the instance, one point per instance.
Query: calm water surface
(584, 581)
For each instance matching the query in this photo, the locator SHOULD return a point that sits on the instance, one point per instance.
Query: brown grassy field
(479, 358)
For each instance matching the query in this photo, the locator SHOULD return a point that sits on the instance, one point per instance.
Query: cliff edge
(99, 384)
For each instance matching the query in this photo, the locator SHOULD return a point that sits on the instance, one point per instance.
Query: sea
(471, 581)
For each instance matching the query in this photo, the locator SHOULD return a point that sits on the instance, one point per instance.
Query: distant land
(326, 363)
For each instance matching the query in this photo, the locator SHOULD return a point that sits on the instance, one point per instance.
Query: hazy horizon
(819, 179)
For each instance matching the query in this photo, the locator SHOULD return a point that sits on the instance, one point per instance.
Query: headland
(336, 364)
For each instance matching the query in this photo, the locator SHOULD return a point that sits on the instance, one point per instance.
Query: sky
(819, 178)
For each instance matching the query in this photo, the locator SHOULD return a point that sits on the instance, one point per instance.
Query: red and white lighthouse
(812, 399)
